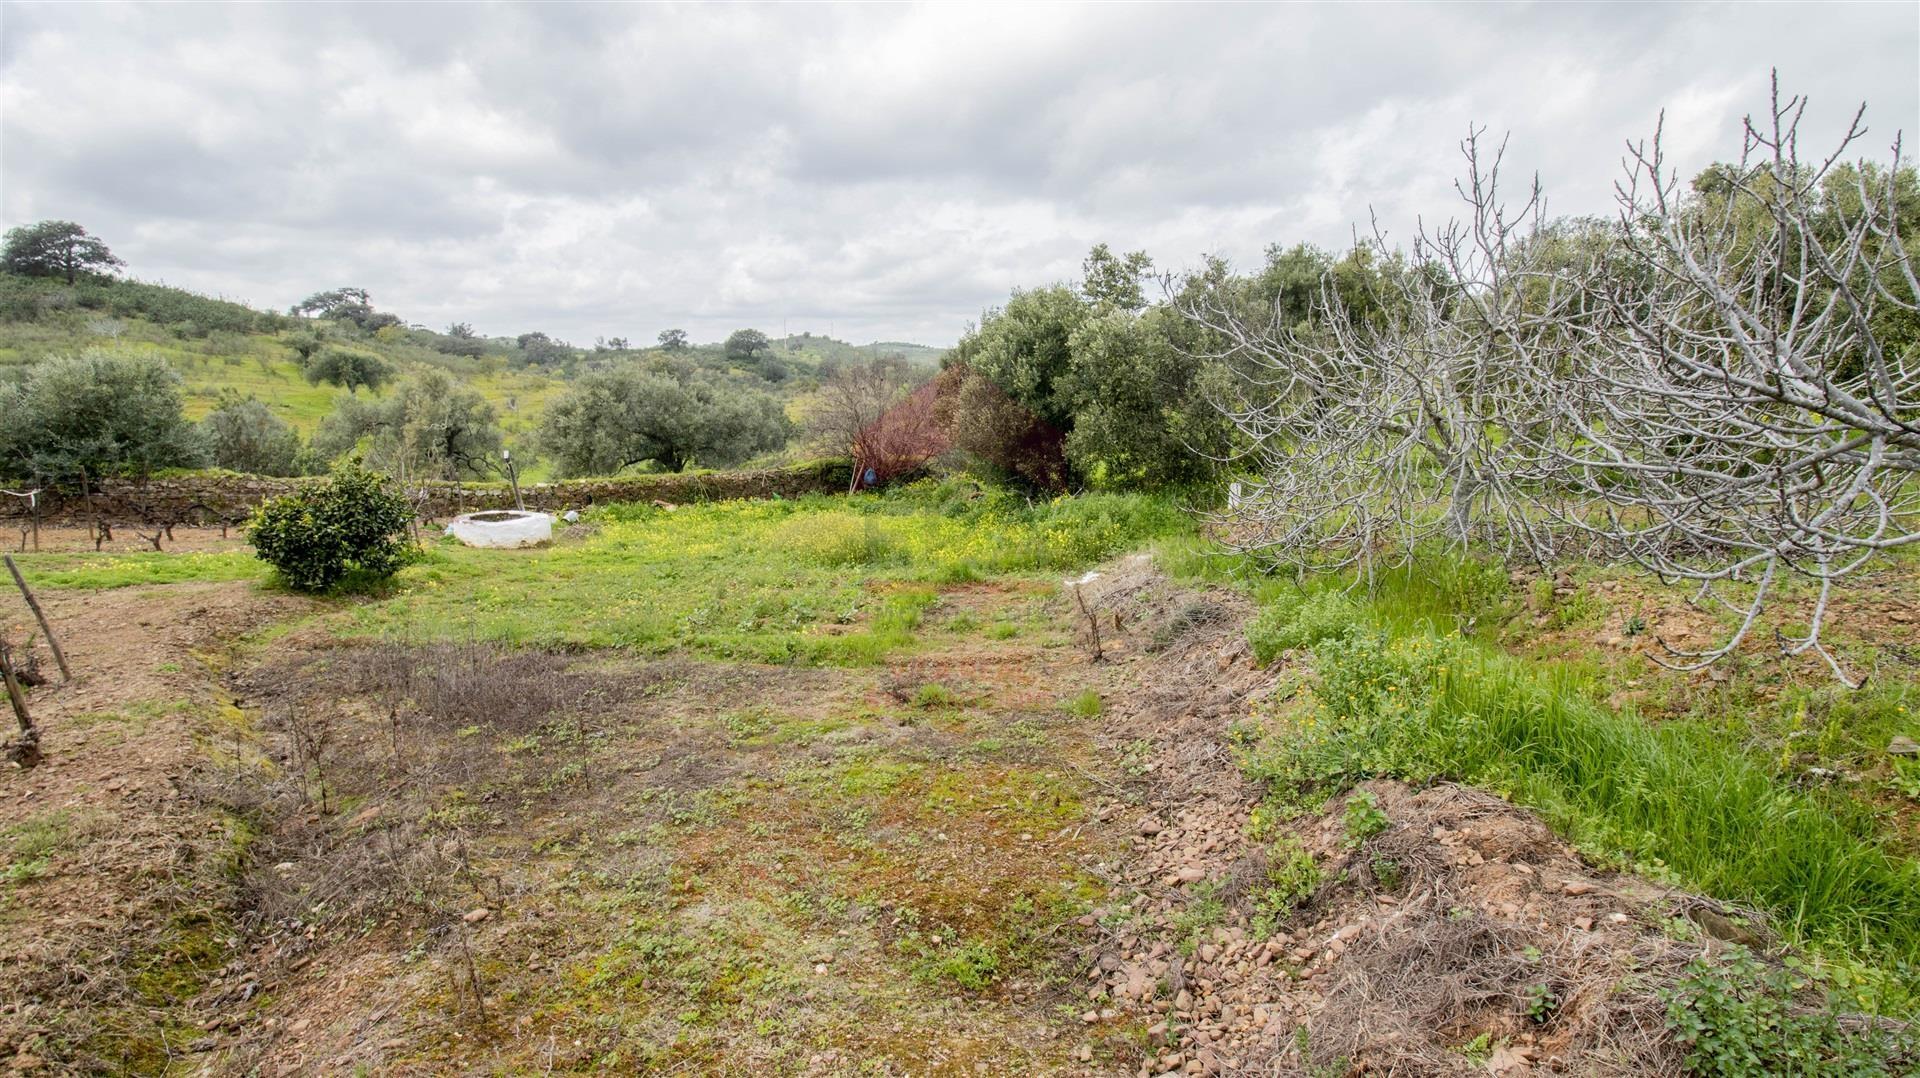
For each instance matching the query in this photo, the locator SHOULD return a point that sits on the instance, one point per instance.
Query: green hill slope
(219, 346)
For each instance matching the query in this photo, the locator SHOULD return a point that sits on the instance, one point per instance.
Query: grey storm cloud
(886, 172)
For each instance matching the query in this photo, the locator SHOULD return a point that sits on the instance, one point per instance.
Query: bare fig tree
(1371, 432)
(1722, 385)
(1739, 417)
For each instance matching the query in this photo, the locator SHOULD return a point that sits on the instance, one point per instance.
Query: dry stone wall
(214, 498)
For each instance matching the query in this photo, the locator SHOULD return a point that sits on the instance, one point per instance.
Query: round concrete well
(502, 528)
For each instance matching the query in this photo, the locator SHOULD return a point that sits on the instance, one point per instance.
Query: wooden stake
(26, 752)
(59, 656)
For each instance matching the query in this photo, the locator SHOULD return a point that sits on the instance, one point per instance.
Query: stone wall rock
(226, 498)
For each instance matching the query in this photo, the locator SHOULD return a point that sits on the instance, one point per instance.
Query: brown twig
(26, 751)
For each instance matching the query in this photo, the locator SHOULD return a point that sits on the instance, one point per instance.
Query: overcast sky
(884, 171)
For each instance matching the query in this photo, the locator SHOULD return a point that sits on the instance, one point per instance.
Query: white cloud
(614, 170)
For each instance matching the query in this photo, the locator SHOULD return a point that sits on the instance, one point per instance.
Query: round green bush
(318, 534)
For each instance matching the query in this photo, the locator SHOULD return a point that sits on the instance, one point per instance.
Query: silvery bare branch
(1374, 430)
(1703, 387)
(1737, 416)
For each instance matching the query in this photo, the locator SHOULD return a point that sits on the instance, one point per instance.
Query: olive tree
(96, 414)
(348, 368)
(245, 436)
(666, 415)
(431, 426)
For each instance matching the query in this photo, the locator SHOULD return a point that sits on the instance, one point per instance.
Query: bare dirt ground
(116, 860)
(256, 849)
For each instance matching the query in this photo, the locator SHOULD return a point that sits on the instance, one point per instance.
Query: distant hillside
(218, 345)
(818, 349)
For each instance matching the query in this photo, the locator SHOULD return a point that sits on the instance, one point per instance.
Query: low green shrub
(1738, 1016)
(1292, 877)
(319, 534)
(1299, 621)
(1363, 819)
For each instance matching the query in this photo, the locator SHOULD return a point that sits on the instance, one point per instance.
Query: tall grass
(1397, 691)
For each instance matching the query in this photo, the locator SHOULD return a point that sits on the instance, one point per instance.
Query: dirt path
(117, 870)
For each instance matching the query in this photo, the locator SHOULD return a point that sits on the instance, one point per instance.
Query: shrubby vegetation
(667, 414)
(186, 314)
(96, 414)
(244, 436)
(1094, 385)
(349, 524)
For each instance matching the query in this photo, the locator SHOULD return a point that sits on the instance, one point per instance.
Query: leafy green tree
(1142, 411)
(347, 368)
(317, 535)
(56, 249)
(674, 340)
(245, 436)
(349, 305)
(1127, 390)
(539, 350)
(1113, 282)
(431, 425)
(1007, 409)
(746, 345)
(99, 414)
(1027, 346)
(667, 415)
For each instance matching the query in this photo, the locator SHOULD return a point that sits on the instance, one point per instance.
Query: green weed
(1363, 819)
(1087, 705)
(1736, 1015)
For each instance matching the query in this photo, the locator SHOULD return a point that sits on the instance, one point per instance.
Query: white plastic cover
(502, 528)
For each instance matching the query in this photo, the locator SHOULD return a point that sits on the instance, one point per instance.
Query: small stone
(475, 916)
(1578, 887)
(1151, 826)
(820, 969)
(1902, 745)
(1190, 874)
